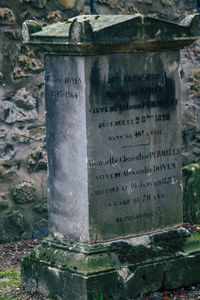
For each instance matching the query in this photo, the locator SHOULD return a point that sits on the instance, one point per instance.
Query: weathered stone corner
(29, 27)
(80, 32)
(193, 22)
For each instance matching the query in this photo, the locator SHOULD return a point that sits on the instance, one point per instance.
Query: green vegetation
(9, 279)
(24, 192)
(9, 273)
(191, 193)
(3, 205)
(91, 297)
(8, 298)
(196, 235)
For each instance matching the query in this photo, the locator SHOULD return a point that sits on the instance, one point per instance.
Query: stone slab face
(66, 147)
(114, 144)
(134, 143)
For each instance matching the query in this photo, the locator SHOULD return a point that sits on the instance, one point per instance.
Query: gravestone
(113, 119)
(122, 144)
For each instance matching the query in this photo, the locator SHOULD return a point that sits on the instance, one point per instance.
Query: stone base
(119, 270)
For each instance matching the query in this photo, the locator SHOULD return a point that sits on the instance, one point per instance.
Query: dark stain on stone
(95, 84)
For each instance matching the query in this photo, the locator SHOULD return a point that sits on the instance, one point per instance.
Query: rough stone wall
(173, 10)
(23, 164)
(190, 74)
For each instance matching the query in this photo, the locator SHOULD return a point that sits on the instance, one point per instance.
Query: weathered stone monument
(114, 158)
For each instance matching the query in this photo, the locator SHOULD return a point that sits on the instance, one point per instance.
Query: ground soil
(11, 255)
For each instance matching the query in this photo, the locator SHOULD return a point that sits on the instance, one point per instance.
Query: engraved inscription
(117, 141)
(137, 120)
(133, 78)
(67, 94)
(136, 134)
(129, 107)
(131, 172)
(135, 157)
(141, 156)
(136, 217)
(63, 81)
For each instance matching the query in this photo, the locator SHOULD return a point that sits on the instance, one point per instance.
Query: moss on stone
(15, 217)
(24, 192)
(196, 236)
(133, 268)
(4, 201)
(166, 244)
(170, 241)
(132, 254)
(40, 206)
(4, 205)
(192, 244)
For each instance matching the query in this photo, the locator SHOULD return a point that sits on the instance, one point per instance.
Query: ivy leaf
(90, 295)
(100, 297)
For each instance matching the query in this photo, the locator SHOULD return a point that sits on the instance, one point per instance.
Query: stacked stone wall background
(23, 162)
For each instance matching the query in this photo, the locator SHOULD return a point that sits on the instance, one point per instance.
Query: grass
(9, 298)
(9, 273)
(9, 279)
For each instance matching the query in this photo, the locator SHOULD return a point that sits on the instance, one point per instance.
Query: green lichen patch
(24, 192)
(166, 244)
(68, 260)
(133, 268)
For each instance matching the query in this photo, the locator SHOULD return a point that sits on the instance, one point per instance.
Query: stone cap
(104, 34)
